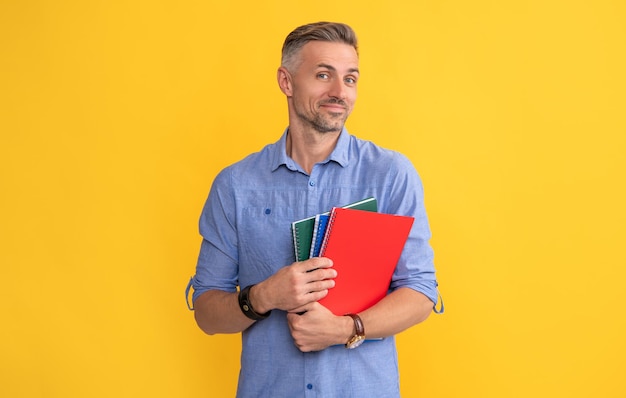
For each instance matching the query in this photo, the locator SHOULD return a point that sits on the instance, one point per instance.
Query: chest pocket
(265, 242)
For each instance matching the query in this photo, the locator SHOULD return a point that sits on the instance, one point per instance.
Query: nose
(338, 90)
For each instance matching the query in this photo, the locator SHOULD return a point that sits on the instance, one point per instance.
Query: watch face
(355, 342)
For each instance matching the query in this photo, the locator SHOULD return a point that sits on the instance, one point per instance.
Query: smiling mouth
(334, 102)
(334, 107)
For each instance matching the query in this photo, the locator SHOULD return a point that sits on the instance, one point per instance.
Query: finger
(320, 279)
(320, 286)
(316, 263)
(299, 310)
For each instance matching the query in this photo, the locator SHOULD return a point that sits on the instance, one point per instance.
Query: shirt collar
(340, 154)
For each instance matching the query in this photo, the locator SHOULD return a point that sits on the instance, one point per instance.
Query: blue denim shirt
(246, 223)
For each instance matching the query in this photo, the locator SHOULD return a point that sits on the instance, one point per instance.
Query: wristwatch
(359, 335)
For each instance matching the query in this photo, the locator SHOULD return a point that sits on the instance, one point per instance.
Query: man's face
(324, 85)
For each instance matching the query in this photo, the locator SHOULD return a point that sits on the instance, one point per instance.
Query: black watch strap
(246, 306)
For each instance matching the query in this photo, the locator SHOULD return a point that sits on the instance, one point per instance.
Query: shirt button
(312, 183)
(309, 386)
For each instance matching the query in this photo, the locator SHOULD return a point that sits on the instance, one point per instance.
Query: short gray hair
(318, 31)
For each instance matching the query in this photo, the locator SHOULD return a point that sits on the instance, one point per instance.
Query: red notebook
(365, 247)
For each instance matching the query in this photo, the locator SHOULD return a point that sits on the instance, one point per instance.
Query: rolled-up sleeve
(217, 266)
(415, 268)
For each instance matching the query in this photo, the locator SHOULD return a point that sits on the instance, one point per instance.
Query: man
(292, 345)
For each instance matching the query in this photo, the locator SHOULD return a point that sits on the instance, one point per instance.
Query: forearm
(217, 311)
(398, 311)
(317, 328)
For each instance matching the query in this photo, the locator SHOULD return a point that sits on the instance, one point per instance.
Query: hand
(317, 328)
(294, 286)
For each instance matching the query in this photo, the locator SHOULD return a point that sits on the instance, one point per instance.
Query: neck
(309, 148)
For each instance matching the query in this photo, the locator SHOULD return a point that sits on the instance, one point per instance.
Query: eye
(323, 76)
(350, 80)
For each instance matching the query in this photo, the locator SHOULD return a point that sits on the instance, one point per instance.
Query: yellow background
(115, 117)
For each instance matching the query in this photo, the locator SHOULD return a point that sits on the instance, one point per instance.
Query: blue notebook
(321, 221)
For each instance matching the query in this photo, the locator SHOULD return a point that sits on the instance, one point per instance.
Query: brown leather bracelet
(359, 336)
(246, 306)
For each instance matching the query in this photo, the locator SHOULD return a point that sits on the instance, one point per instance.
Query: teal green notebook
(303, 230)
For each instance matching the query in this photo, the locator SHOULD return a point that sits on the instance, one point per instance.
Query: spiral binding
(329, 227)
(316, 233)
(296, 243)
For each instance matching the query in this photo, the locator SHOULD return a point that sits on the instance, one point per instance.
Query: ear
(284, 81)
